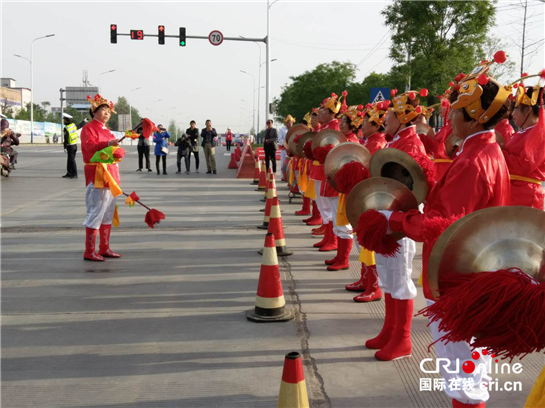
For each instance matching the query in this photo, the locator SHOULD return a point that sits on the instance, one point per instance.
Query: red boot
(105, 242)
(319, 231)
(306, 207)
(361, 284)
(316, 218)
(90, 239)
(343, 255)
(326, 236)
(332, 261)
(389, 321)
(331, 244)
(315, 213)
(373, 292)
(458, 404)
(400, 345)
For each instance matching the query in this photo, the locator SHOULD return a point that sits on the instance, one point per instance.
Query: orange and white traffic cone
(270, 305)
(257, 172)
(270, 176)
(276, 228)
(271, 194)
(293, 389)
(262, 178)
(232, 163)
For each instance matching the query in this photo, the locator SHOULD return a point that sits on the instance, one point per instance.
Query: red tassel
(505, 309)
(433, 227)
(428, 167)
(320, 153)
(429, 144)
(349, 175)
(119, 153)
(153, 217)
(372, 232)
(307, 148)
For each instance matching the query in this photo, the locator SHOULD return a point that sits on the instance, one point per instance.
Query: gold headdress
(333, 102)
(377, 112)
(98, 100)
(521, 97)
(404, 110)
(355, 114)
(307, 118)
(289, 118)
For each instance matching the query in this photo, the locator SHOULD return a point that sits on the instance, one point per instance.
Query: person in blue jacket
(161, 148)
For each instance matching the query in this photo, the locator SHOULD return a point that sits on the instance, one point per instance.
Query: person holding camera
(193, 135)
(142, 147)
(184, 150)
(161, 148)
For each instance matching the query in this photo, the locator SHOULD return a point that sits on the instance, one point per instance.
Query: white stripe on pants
(323, 204)
(395, 272)
(342, 231)
(282, 156)
(461, 351)
(100, 206)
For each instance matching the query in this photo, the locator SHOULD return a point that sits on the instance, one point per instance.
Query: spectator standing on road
(184, 150)
(288, 121)
(270, 146)
(161, 148)
(9, 138)
(228, 139)
(71, 145)
(142, 147)
(209, 135)
(193, 135)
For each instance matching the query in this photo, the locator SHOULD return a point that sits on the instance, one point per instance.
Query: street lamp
(106, 72)
(253, 96)
(268, 56)
(130, 106)
(32, 84)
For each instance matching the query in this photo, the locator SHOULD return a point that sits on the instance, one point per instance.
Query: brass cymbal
(340, 155)
(451, 144)
(491, 239)
(396, 164)
(305, 137)
(328, 136)
(294, 131)
(379, 193)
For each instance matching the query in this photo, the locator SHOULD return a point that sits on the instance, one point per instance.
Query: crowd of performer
(476, 160)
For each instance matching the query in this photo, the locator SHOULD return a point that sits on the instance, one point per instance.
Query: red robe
(408, 141)
(351, 137)
(95, 136)
(374, 142)
(505, 129)
(477, 178)
(529, 194)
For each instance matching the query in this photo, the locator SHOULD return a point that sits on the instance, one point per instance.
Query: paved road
(165, 325)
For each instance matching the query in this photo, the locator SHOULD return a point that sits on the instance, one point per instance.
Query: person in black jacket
(209, 135)
(271, 144)
(193, 135)
(184, 150)
(143, 147)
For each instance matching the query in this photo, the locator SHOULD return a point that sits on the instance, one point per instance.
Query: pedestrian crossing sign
(379, 94)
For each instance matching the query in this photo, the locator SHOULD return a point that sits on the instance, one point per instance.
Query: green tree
(502, 72)
(122, 108)
(309, 89)
(438, 38)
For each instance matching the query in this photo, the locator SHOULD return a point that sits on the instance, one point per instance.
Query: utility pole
(523, 38)
(408, 83)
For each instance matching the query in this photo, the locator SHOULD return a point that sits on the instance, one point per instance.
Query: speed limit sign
(215, 37)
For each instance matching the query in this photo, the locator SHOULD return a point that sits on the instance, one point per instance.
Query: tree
(46, 104)
(501, 72)
(309, 89)
(432, 41)
(122, 108)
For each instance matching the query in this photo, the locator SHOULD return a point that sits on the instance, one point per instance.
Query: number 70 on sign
(215, 37)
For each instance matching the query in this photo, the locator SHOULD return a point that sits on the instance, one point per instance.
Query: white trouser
(100, 207)
(395, 272)
(461, 351)
(282, 156)
(342, 231)
(323, 204)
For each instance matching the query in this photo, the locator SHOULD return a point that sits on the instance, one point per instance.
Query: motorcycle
(6, 167)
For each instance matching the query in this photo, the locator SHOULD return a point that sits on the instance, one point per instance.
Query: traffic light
(113, 33)
(182, 37)
(162, 34)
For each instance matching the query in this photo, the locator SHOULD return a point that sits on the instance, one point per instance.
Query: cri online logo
(468, 366)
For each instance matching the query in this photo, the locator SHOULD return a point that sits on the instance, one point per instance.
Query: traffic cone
(276, 228)
(269, 301)
(270, 176)
(232, 163)
(257, 172)
(271, 194)
(262, 178)
(238, 153)
(293, 389)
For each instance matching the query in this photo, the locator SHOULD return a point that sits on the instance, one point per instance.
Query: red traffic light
(113, 33)
(161, 35)
(161, 28)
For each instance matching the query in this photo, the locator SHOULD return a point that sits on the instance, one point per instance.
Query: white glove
(387, 214)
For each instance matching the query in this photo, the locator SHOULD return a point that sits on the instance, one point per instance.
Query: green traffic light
(182, 43)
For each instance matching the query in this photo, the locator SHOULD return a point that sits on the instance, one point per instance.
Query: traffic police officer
(70, 145)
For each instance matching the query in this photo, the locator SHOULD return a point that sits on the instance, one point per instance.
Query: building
(76, 97)
(11, 95)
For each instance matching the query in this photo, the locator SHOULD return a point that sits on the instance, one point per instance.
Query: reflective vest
(72, 134)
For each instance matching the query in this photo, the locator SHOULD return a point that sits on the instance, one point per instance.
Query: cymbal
(340, 155)
(328, 136)
(451, 144)
(396, 164)
(491, 239)
(305, 137)
(299, 129)
(379, 193)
